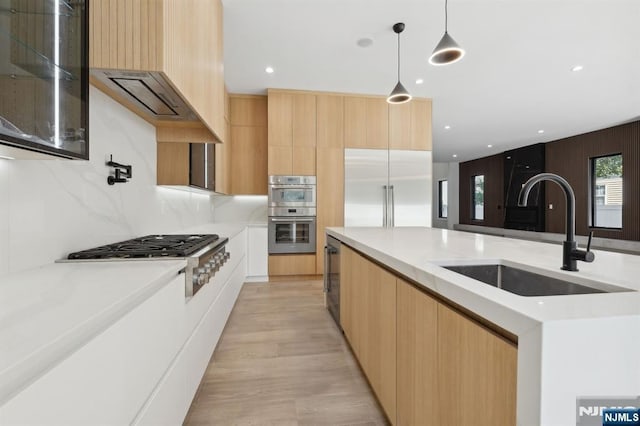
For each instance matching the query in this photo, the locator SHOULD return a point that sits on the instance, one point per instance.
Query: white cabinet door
(257, 253)
(109, 379)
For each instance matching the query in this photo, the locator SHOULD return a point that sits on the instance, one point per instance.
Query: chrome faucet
(570, 252)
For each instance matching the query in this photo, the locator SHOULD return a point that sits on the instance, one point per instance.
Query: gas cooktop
(150, 246)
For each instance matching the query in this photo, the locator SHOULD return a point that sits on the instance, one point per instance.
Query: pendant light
(399, 94)
(447, 51)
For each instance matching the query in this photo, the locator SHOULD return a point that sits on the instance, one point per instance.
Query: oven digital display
(295, 195)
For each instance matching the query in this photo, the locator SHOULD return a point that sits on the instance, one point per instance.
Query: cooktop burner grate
(149, 246)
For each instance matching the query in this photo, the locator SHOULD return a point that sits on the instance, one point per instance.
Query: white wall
(450, 173)
(53, 207)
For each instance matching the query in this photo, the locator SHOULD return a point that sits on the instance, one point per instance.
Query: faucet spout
(568, 195)
(570, 252)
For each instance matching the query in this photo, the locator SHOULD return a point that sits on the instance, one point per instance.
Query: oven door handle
(292, 186)
(293, 219)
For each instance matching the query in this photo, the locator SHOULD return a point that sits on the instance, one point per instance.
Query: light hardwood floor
(282, 361)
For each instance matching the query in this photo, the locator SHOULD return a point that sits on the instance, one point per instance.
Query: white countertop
(417, 253)
(47, 313)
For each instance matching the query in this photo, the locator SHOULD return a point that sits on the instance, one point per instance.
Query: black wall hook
(122, 172)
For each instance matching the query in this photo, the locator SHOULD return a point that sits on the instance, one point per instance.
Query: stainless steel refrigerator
(387, 187)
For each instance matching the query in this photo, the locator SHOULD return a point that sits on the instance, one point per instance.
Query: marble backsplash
(49, 208)
(240, 209)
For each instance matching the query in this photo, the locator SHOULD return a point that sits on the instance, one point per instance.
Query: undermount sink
(525, 283)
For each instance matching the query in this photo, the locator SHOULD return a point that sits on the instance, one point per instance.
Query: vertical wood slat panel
(128, 35)
(121, 43)
(137, 25)
(579, 150)
(113, 33)
(143, 34)
(94, 27)
(124, 34)
(105, 34)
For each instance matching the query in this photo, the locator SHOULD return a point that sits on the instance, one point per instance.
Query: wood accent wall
(492, 169)
(570, 158)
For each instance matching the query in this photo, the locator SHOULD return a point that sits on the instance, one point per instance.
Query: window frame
(473, 198)
(440, 204)
(592, 193)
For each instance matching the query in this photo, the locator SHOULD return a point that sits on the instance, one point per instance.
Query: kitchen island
(568, 347)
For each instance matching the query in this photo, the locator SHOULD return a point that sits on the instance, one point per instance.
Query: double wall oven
(292, 214)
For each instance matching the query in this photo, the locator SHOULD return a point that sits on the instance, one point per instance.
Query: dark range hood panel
(150, 91)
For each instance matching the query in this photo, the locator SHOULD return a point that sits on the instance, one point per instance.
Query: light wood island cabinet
(476, 373)
(427, 362)
(417, 367)
(369, 309)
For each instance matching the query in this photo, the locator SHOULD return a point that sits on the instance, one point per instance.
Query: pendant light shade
(447, 51)
(399, 94)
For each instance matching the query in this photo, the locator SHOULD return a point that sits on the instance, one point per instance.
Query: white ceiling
(515, 79)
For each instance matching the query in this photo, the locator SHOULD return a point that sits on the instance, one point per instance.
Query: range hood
(148, 91)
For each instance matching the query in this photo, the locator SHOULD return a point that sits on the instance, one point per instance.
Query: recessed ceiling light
(455, 155)
(364, 42)
(489, 146)
(269, 70)
(419, 81)
(447, 127)
(577, 68)
(541, 131)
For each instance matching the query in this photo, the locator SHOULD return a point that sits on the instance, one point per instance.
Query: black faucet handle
(589, 241)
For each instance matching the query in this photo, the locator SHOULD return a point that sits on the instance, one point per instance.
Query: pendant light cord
(398, 57)
(446, 16)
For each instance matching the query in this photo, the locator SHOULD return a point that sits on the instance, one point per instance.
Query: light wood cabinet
(366, 122)
(304, 120)
(329, 196)
(248, 145)
(426, 362)
(291, 133)
(476, 373)
(182, 40)
(371, 310)
(329, 168)
(417, 357)
(410, 125)
(280, 122)
(303, 160)
(248, 160)
(292, 264)
(330, 121)
(280, 160)
(172, 163)
(223, 152)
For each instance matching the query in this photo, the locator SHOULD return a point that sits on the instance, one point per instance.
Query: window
(477, 209)
(606, 191)
(442, 199)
